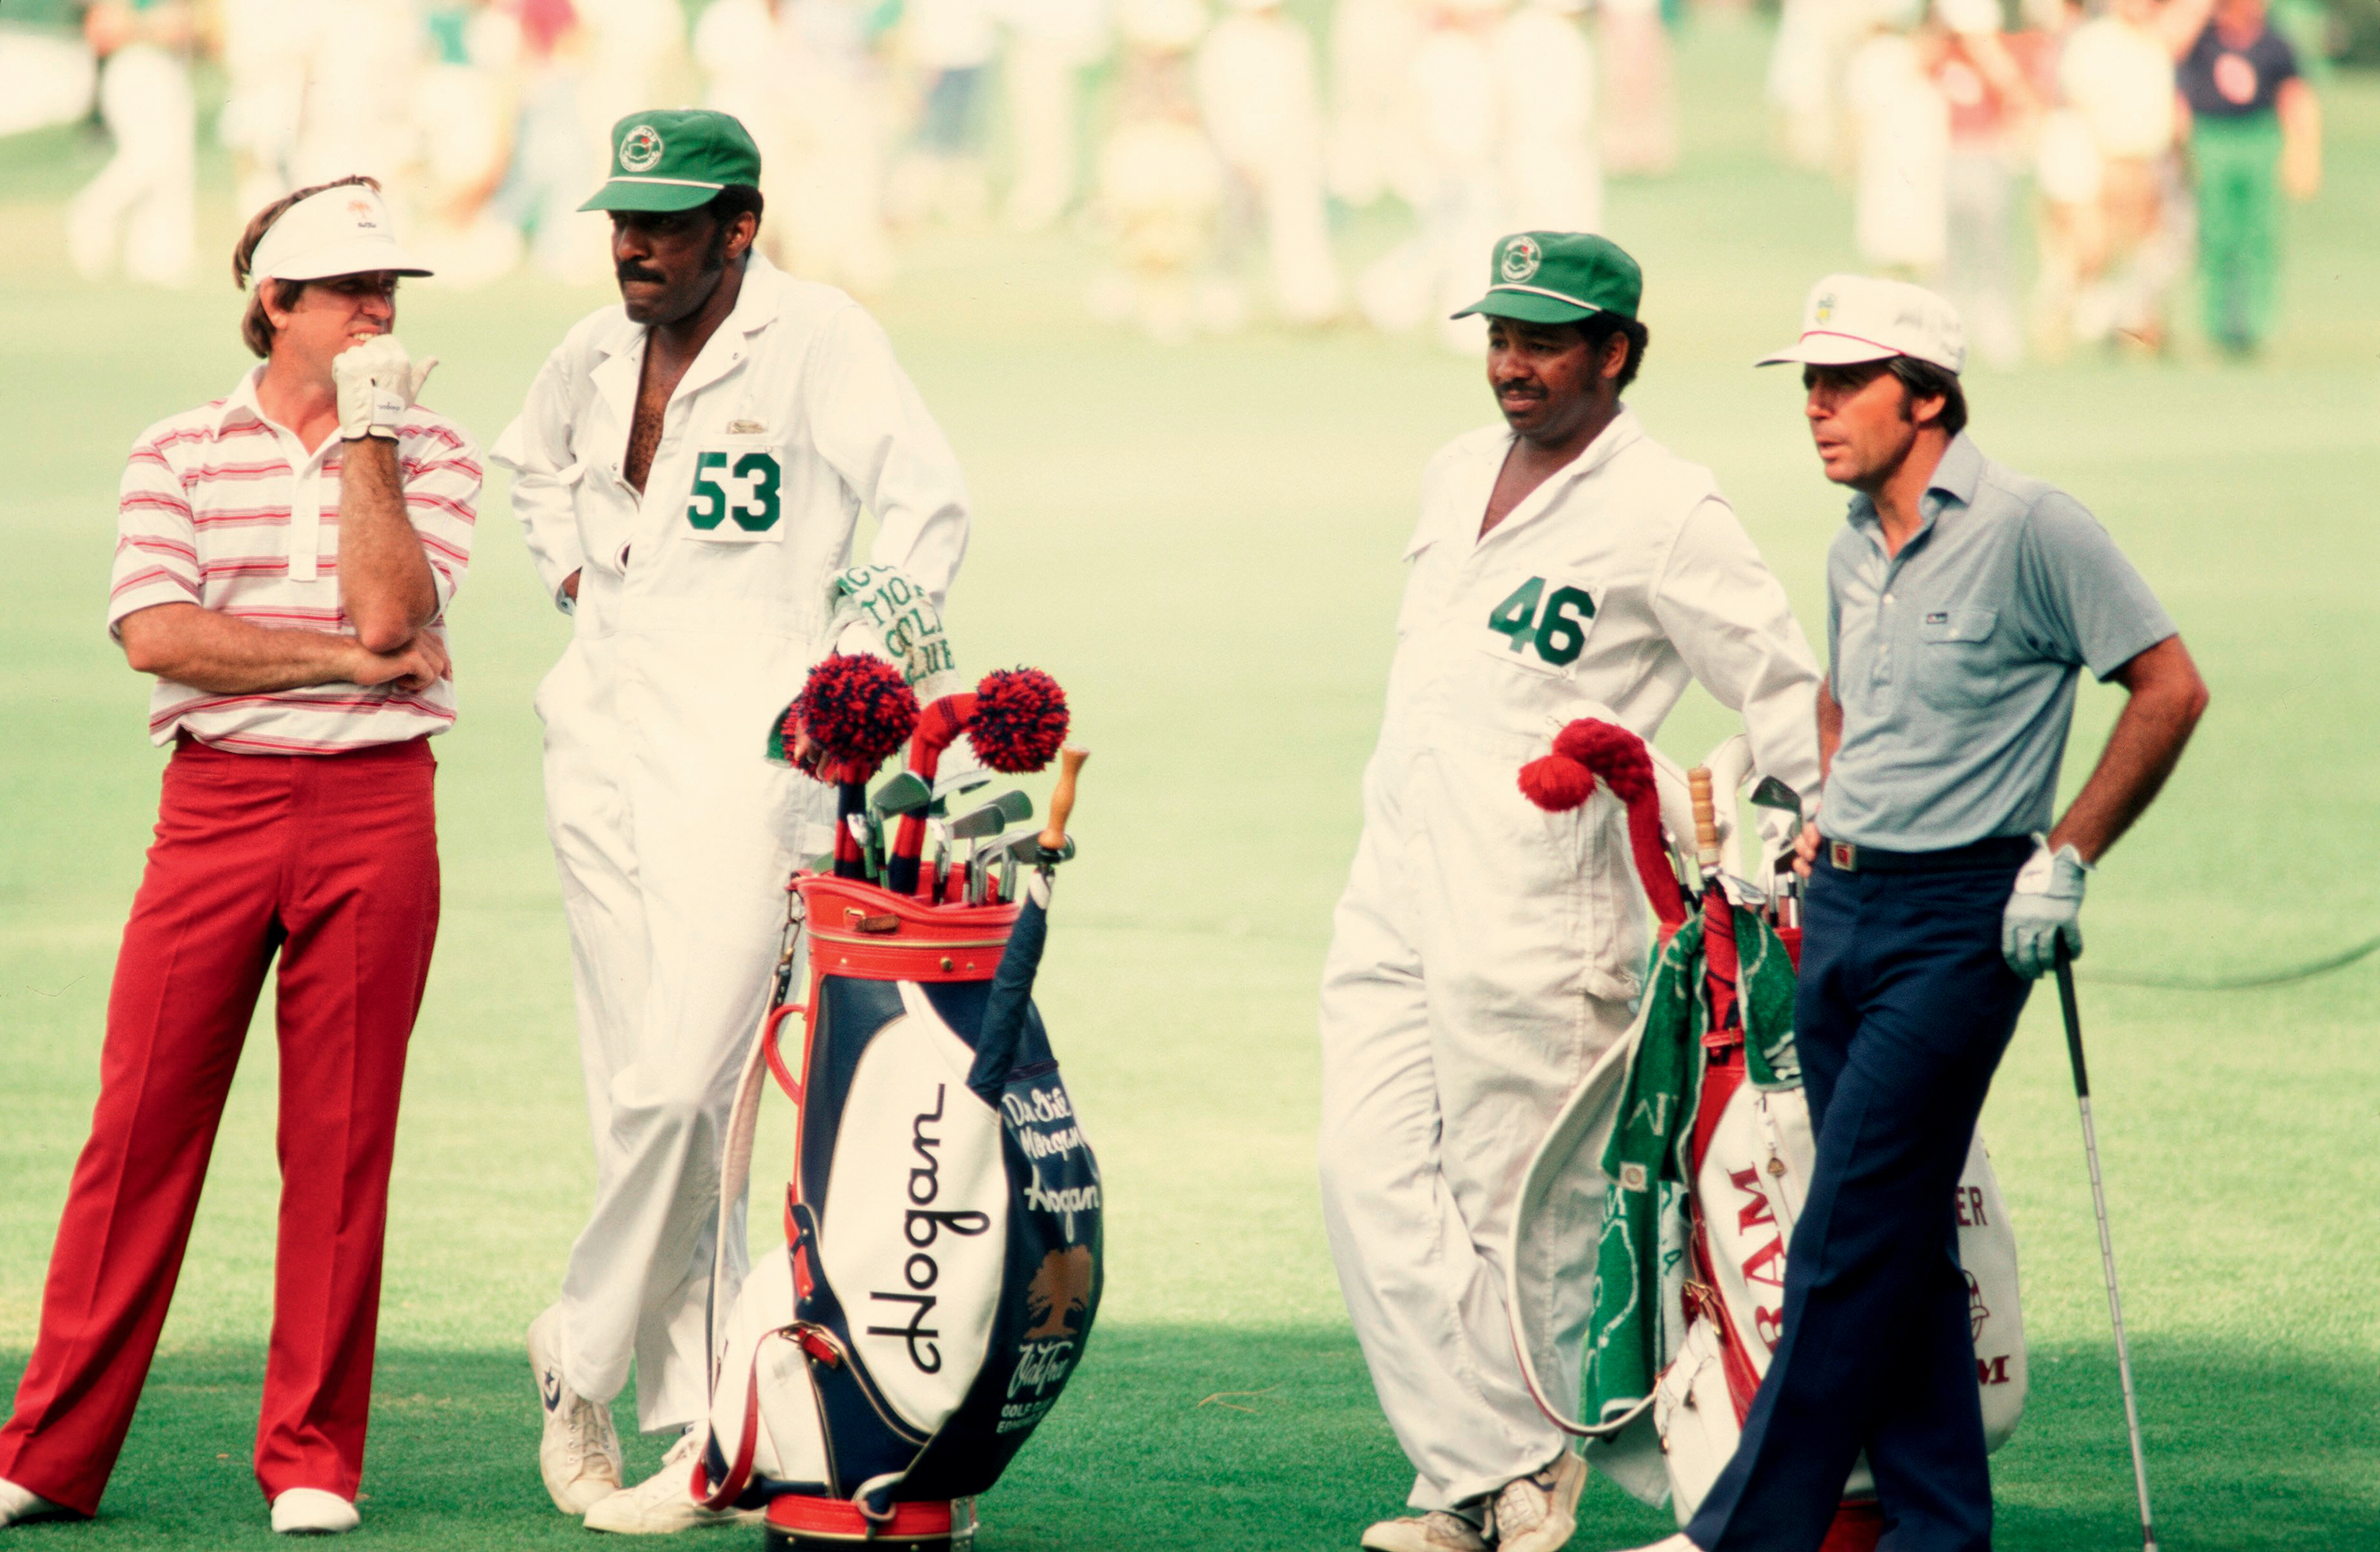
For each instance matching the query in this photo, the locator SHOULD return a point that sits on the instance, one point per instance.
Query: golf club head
(905, 794)
(1026, 848)
(955, 783)
(990, 819)
(1770, 792)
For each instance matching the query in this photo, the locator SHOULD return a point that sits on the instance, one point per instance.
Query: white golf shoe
(1537, 1512)
(664, 1502)
(20, 1505)
(579, 1454)
(1435, 1532)
(313, 1511)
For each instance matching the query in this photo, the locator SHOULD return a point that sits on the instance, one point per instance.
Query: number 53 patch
(736, 497)
(1552, 624)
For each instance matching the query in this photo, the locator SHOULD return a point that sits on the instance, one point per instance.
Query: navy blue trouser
(1904, 1009)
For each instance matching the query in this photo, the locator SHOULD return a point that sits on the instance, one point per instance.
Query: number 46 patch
(1559, 634)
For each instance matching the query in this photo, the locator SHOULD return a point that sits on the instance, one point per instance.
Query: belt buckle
(1843, 855)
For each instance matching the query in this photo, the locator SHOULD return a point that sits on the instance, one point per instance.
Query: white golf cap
(1850, 318)
(341, 231)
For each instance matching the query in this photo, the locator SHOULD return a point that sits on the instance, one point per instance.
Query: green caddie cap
(675, 159)
(1559, 277)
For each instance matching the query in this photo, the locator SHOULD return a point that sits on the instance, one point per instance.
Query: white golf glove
(377, 384)
(2046, 905)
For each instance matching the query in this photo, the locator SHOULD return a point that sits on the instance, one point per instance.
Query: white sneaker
(1537, 1512)
(313, 1511)
(664, 1502)
(19, 1505)
(1435, 1532)
(579, 1454)
(1672, 1544)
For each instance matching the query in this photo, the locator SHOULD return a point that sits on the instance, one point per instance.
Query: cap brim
(1528, 306)
(1830, 350)
(368, 257)
(659, 195)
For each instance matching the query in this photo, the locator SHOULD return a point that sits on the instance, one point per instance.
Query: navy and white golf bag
(941, 1264)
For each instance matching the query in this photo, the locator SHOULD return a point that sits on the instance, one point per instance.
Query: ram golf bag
(1654, 1221)
(942, 1265)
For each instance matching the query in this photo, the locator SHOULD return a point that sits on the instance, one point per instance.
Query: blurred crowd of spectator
(2145, 133)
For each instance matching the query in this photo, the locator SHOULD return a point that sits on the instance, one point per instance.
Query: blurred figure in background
(1976, 71)
(1901, 129)
(1051, 43)
(1375, 148)
(802, 76)
(2116, 71)
(940, 177)
(1640, 96)
(2255, 128)
(1160, 185)
(2069, 232)
(266, 44)
(48, 73)
(463, 117)
(550, 171)
(1805, 68)
(362, 70)
(1459, 197)
(142, 206)
(1552, 173)
(1256, 95)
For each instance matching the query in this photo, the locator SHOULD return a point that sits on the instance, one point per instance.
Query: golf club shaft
(2107, 1243)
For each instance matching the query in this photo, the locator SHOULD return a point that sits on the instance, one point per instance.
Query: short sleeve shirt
(1955, 662)
(2220, 81)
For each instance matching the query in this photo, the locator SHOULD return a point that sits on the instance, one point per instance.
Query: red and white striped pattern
(222, 508)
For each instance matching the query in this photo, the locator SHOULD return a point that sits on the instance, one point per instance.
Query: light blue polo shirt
(1955, 660)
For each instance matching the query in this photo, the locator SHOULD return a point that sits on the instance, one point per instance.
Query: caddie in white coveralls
(701, 601)
(1486, 952)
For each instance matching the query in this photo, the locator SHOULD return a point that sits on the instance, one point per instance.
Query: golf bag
(942, 1265)
(1654, 1221)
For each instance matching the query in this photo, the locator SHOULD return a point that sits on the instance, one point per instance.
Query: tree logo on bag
(641, 149)
(1059, 1292)
(1977, 1311)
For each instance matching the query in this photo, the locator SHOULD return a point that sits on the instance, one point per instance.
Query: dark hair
(736, 198)
(1598, 331)
(1923, 379)
(256, 324)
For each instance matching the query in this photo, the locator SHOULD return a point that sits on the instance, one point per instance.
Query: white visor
(341, 231)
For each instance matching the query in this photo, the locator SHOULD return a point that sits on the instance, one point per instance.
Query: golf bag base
(805, 1524)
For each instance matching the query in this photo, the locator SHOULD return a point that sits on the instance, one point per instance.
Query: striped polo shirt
(222, 508)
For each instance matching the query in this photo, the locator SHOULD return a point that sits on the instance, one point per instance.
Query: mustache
(634, 271)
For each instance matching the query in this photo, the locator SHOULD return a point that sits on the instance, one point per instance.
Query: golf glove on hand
(2046, 906)
(377, 384)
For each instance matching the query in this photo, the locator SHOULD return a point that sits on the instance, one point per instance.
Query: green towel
(1648, 1163)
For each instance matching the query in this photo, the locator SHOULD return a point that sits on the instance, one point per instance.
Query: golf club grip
(1061, 798)
(2074, 1021)
(1698, 782)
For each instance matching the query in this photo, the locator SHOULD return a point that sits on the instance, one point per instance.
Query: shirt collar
(1956, 478)
(1625, 429)
(241, 401)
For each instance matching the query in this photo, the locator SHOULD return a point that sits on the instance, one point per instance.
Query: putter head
(1773, 794)
(990, 819)
(902, 795)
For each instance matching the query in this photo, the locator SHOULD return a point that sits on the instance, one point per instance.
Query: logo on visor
(1521, 259)
(1826, 309)
(363, 213)
(641, 149)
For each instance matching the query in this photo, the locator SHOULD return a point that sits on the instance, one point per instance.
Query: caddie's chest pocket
(737, 496)
(1957, 664)
(1541, 625)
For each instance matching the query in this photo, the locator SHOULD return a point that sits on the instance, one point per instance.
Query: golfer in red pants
(285, 557)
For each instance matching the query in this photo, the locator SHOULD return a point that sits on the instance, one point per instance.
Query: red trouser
(332, 860)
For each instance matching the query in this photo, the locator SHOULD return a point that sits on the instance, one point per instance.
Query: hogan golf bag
(941, 1264)
(1677, 1169)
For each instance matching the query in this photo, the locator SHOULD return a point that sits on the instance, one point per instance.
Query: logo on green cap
(1521, 258)
(640, 149)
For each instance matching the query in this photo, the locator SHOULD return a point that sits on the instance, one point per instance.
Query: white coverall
(673, 834)
(1485, 952)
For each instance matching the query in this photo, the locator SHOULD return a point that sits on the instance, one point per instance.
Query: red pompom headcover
(1020, 720)
(857, 709)
(1586, 750)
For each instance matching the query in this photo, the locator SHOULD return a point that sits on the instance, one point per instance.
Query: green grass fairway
(1201, 543)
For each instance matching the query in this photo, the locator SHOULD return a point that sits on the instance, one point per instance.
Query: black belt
(2000, 851)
